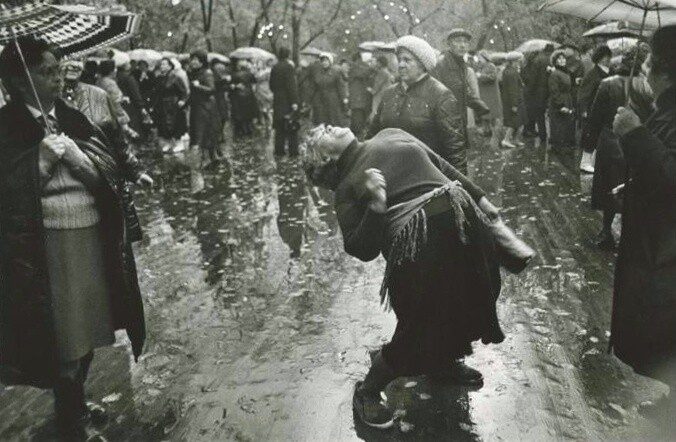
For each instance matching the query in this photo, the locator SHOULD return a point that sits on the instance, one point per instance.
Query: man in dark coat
(29, 316)
(452, 71)
(536, 85)
(360, 78)
(643, 331)
(590, 84)
(285, 103)
(134, 103)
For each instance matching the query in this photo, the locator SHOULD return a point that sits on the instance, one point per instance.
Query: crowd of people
(392, 146)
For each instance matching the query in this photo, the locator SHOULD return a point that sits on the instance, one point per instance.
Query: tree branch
(390, 23)
(323, 29)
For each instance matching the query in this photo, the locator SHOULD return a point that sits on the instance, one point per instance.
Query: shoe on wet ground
(462, 374)
(370, 409)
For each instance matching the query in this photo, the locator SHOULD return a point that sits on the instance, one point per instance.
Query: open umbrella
(621, 45)
(252, 53)
(211, 56)
(150, 56)
(535, 45)
(614, 29)
(648, 14)
(311, 52)
(75, 29)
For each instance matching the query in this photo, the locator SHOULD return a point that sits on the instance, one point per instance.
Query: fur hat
(420, 49)
(556, 54)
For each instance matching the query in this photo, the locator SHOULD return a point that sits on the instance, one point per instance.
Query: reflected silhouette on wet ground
(259, 324)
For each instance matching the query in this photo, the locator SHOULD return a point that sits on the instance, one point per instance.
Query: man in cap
(452, 71)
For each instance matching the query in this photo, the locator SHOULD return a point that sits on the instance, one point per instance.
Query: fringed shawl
(406, 227)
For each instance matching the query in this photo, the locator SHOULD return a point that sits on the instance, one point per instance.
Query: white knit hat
(420, 49)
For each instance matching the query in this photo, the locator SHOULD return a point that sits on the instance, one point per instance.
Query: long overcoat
(203, 111)
(511, 89)
(330, 89)
(284, 89)
(28, 353)
(644, 306)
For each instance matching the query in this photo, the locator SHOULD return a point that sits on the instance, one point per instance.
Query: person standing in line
(133, 102)
(561, 109)
(610, 166)
(222, 78)
(170, 99)
(382, 79)
(330, 93)
(536, 89)
(360, 77)
(68, 277)
(107, 82)
(643, 327)
(422, 106)
(512, 99)
(285, 104)
(487, 75)
(453, 72)
(243, 100)
(395, 196)
(203, 112)
(588, 87)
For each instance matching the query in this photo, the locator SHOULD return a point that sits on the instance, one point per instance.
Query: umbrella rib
(612, 2)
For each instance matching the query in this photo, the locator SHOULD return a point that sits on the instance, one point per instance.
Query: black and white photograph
(337, 220)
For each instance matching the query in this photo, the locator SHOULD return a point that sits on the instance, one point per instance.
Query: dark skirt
(562, 128)
(610, 170)
(81, 302)
(443, 302)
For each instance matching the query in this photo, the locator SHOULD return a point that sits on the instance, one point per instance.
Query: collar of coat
(20, 127)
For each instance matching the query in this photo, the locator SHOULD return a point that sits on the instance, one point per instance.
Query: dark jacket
(451, 71)
(590, 84)
(203, 111)
(644, 305)
(428, 111)
(329, 91)
(169, 116)
(284, 88)
(135, 103)
(535, 78)
(360, 79)
(511, 89)
(28, 353)
(242, 98)
(610, 167)
(560, 90)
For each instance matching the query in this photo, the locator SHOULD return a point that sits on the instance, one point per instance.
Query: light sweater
(66, 202)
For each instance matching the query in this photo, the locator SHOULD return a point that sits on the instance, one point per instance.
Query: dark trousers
(536, 117)
(358, 121)
(284, 136)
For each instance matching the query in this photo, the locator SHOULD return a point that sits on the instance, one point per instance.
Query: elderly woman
(610, 167)
(67, 274)
(643, 329)
(329, 99)
(395, 196)
(421, 105)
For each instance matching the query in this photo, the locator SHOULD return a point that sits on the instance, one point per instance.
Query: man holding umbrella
(67, 273)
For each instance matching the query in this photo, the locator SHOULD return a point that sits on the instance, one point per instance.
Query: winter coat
(242, 98)
(222, 83)
(560, 91)
(28, 353)
(610, 167)
(429, 111)
(134, 102)
(643, 329)
(203, 111)
(116, 97)
(590, 84)
(487, 75)
(329, 91)
(360, 78)
(453, 72)
(512, 96)
(535, 78)
(285, 89)
(169, 117)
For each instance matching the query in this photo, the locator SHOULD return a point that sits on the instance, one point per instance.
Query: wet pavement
(259, 324)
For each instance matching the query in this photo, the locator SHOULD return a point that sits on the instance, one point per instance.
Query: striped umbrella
(76, 30)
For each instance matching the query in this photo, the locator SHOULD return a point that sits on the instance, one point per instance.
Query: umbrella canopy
(75, 29)
(621, 45)
(211, 56)
(169, 54)
(613, 29)
(656, 12)
(252, 53)
(535, 45)
(148, 55)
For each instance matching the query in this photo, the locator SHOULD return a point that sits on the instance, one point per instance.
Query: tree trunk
(295, 31)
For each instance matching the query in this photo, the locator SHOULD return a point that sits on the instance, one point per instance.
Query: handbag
(513, 253)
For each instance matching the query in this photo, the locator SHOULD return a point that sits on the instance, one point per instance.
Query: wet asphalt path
(259, 324)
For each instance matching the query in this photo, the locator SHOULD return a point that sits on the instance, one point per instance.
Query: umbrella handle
(30, 82)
